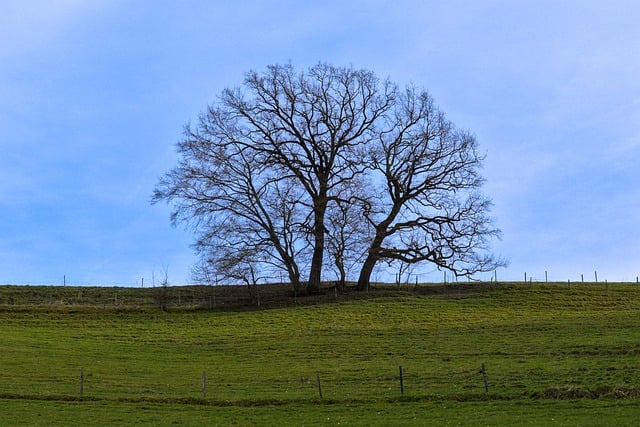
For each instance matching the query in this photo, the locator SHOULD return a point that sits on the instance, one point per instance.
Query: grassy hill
(552, 355)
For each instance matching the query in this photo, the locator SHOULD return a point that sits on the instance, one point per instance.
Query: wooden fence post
(204, 384)
(401, 381)
(483, 371)
(81, 382)
(319, 386)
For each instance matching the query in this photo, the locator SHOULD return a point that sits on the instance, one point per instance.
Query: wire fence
(230, 297)
(215, 387)
(477, 382)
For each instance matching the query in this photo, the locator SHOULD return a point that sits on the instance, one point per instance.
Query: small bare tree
(347, 237)
(162, 295)
(403, 271)
(244, 265)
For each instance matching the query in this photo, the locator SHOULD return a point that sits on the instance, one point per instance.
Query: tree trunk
(343, 275)
(294, 278)
(373, 256)
(365, 272)
(315, 272)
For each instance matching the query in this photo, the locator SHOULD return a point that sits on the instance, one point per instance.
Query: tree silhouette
(296, 165)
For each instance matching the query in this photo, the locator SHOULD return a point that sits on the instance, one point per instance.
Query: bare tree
(347, 238)
(308, 127)
(403, 271)
(162, 295)
(244, 265)
(244, 214)
(313, 127)
(271, 179)
(429, 208)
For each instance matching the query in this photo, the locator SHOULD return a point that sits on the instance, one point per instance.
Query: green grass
(554, 356)
(506, 413)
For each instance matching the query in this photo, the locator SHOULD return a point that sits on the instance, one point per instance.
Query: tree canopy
(297, 171)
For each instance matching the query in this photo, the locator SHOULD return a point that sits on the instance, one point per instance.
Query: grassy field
(553, 356)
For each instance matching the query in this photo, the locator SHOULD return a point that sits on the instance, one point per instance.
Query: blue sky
(94, 96)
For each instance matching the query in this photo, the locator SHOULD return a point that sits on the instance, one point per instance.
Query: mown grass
(550, 353)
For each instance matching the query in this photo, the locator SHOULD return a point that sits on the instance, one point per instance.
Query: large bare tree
(428, 207)
(310, 127)
(293, 166)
